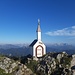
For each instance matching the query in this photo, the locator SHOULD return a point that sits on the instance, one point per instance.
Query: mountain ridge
(24, 49)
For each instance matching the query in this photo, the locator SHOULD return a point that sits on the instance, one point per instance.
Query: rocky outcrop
(46, 65)
(54, 64)
(14, 67)
(73, 64)
(23, 70)
(49, 64)
(73, 60)
(8, 65)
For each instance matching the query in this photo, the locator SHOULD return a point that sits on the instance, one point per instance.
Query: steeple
(38, 28)
(38, 31)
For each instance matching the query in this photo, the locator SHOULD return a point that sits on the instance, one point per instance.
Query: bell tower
(38, 31)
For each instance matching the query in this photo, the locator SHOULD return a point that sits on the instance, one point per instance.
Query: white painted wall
(39, 52)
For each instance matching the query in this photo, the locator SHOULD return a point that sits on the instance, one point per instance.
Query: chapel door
(39, 51)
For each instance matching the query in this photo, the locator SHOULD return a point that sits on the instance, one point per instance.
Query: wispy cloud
(70, 31)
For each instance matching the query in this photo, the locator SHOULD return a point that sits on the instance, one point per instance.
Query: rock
(6, 71)
(25, 67)
(13, 65)
(73, 60)
(7, 64)
(73, 73)
(10, 70)
(59, 56)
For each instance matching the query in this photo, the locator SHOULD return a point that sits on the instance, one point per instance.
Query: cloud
(70, 31)
(73, 27)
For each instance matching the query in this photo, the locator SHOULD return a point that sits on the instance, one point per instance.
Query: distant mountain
(8, 46)
(16, 51)
(70, 49)
(62, 46)
(24, 49)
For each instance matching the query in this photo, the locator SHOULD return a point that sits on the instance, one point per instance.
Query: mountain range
(24, 49)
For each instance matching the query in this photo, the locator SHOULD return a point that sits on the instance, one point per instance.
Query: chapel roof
(33, 43)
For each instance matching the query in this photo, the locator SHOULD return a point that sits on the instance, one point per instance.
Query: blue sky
(19, 20)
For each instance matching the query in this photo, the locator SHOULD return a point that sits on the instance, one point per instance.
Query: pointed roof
(33, 43)
(38, 28)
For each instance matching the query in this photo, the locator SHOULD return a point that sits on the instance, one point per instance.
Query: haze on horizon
(19, 20)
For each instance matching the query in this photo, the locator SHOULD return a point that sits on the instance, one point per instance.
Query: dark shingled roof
(33, 43)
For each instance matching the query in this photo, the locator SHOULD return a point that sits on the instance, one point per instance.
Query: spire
(38, 29)
(38, 21)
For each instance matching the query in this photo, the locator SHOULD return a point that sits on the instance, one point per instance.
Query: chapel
(38, 47)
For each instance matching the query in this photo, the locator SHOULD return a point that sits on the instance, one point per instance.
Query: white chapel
(38, 47)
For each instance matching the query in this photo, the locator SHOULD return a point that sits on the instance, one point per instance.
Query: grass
(2, 72)
(32, 65)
